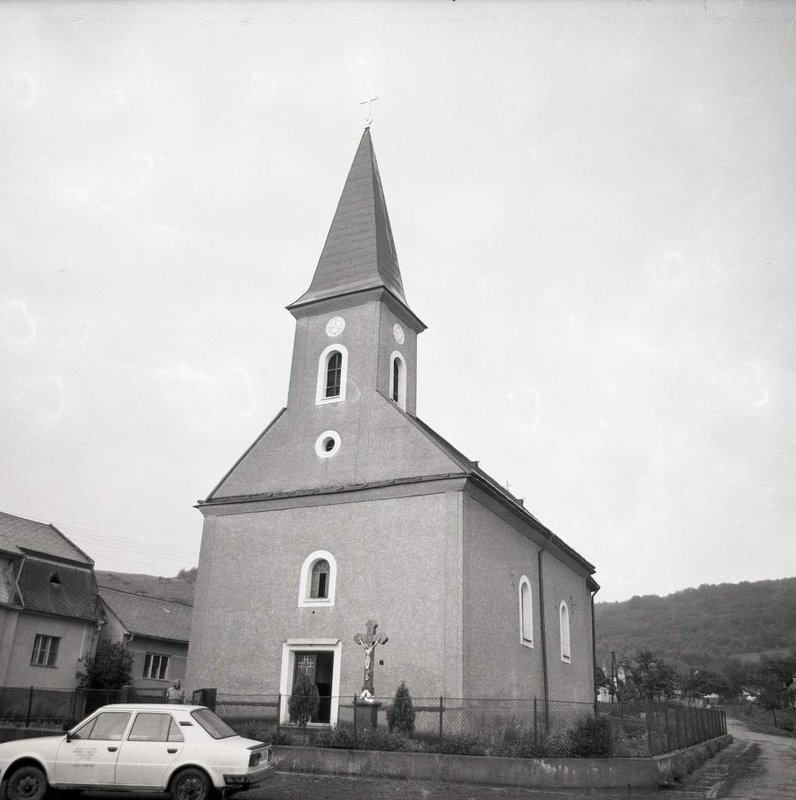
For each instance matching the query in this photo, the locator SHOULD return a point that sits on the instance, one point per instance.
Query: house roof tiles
(62, 590)
(20, 535)
(148, 616)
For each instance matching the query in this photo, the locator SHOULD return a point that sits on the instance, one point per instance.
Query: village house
(350, 519)
(49, 611)
(154, 631)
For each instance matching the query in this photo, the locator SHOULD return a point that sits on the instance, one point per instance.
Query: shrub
(462, 746)
(335, 737)
(401, 715)
(590, 737)
(304, 701)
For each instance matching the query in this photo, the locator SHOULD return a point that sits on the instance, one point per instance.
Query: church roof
(147, 616)
(359, 252)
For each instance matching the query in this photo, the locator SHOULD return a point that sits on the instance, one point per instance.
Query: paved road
(291, 786)
(773, 774)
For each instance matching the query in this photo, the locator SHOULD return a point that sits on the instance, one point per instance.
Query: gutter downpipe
(544, 635)
(594, 651)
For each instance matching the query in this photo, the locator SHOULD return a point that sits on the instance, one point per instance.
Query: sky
(594, 208)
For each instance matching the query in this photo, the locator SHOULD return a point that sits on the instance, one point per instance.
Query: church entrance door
(317, 666)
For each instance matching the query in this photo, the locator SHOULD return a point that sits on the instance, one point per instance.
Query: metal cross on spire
(369, 120)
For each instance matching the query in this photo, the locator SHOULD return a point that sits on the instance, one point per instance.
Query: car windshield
(214, 725)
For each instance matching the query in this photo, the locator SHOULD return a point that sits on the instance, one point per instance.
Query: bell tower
(355, 332)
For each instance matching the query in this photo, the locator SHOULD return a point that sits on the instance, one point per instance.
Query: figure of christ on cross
(368, 642)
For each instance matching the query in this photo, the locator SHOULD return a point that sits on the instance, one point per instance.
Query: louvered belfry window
(319, 587)
(334, 371)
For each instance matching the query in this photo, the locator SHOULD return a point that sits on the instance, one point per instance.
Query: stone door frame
(289, 650)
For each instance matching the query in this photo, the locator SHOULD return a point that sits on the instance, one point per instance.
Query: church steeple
(359, 253)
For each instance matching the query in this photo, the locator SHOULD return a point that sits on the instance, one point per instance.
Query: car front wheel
(26, 783)
(190, 784)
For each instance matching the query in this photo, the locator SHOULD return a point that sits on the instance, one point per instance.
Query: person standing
(175, 694)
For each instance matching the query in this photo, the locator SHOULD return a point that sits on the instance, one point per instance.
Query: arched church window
(334, 371)
(318, 579)
(319, 584)
(563, 614)
(398, 379)
(332, 367)
(526, 612)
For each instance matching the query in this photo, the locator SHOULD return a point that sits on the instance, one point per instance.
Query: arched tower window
(332, 368)
(318, 579)
(563, 613)
(398, 379)
(526, 612)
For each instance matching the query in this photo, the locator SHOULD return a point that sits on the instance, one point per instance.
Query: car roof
(149, 707)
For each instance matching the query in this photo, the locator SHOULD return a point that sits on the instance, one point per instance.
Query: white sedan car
(185, 750)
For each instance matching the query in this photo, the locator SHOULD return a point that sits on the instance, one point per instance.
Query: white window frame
(289, 650)
(305, 581)
(396, 356)
(563, 621)
(45, 650)
(147, 673)
(526, 619)
(323, 365)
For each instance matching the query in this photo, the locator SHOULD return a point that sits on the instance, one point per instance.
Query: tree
(647, 676)
(401, 715)
(303, 703)
(706, 681)
(110, 668)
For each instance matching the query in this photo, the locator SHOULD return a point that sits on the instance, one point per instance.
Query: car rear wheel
(190, 784)
(26, 783)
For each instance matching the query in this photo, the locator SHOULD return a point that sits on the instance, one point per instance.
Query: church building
(348, 508)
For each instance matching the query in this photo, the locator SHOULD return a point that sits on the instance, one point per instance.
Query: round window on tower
(327, 444)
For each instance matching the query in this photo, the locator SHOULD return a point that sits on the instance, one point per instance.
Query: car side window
(152, 727)
(108, 726)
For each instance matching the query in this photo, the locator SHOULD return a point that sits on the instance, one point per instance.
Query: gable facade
(349, 508)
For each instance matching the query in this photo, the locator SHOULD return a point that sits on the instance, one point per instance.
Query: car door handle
(171, 749)
(112, 749)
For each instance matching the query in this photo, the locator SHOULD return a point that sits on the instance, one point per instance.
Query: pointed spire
(359, 252)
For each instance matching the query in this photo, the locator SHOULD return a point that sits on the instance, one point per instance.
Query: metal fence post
(30, 707)
(666, 710)
(648, 718)
(355, 722)
(441, 711)
(278, 714)
(535, 727)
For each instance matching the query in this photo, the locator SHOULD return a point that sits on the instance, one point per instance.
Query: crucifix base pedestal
(367, 714)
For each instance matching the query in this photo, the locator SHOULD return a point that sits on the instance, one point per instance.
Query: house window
(563, 614)
(318, 579)
(526, 612)
(45, 650)
(332, 367)
(398, 379)
(156, 666)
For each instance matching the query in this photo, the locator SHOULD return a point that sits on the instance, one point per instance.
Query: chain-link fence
(484, 726)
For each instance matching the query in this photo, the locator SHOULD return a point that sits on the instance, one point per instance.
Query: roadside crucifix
(368, 641)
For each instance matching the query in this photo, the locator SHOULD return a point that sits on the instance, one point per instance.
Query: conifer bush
(401, 715)
(304, 701)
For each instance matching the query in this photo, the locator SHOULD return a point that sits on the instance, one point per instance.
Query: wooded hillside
(695, 624)
(180, 588)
